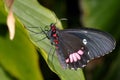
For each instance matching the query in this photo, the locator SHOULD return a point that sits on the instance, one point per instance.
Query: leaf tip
(11, 24)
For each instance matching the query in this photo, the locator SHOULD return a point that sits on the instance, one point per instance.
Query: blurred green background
(20, 59)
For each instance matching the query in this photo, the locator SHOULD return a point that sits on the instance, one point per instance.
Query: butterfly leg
(50, 60)
(41, 39)
(34, 31)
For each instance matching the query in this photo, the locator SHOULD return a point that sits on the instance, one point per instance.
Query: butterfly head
(53, 27)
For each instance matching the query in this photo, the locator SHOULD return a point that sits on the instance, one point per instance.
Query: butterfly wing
(69, 44)
(95, 43)
(99, 43)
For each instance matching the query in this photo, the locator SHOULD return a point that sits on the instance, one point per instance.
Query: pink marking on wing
(54, 35)
(80, 52)
(71, 58)
(67, 60)
(74, 57)
(77, 56)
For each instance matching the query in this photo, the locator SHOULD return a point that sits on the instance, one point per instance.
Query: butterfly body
(53, 35)
(76, 47)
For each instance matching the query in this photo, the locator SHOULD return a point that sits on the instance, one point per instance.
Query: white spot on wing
(85, 32)
(88, 61)
(88, 53)
(83, 65)
(85, 41)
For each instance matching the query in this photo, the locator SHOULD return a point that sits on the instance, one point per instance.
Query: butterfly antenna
(63, 19)
(41, 39)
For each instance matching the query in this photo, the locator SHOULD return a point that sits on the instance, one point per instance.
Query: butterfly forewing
(99, 43)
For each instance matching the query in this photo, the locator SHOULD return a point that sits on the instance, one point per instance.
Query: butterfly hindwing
(69, 44)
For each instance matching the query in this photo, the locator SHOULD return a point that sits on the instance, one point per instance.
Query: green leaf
(100, 13)
(18, 57)
(32, 14)
(2, 12)
(3, 75)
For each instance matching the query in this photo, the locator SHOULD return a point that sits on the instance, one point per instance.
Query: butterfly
(76, 47)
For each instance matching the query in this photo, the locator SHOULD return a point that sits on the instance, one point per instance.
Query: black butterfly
(76, 47)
